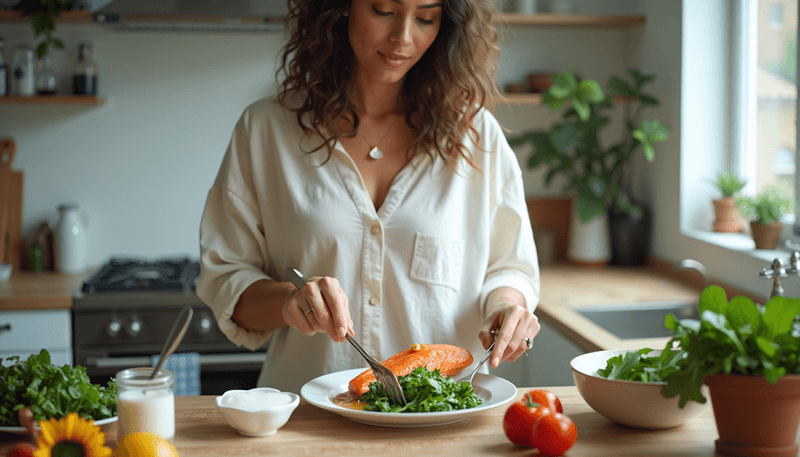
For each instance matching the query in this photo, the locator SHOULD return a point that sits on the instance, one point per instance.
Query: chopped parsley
(425, 391)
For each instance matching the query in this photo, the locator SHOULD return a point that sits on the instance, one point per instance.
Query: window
(766, 96)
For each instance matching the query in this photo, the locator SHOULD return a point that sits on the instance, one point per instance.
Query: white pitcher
(70, 240)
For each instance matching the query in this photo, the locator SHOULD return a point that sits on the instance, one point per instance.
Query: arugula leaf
(636, 366)
(51, 391)
(425, 391)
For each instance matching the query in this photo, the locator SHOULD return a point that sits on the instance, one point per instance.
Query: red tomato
(554, 434)
(520, 418)
(547, 398)
(22, 450)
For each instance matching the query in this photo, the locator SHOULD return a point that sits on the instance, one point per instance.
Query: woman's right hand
(320, 306)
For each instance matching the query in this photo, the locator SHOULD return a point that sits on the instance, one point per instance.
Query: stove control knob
(204, 324)
(113, 328)
(134, 327)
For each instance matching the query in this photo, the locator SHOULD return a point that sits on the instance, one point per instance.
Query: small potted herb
(765, 211)
(749, 357)
(728, 218)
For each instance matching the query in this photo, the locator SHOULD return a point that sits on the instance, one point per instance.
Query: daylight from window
(776, 97)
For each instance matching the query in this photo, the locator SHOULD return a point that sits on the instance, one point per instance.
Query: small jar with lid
(144, 404)
(22, 72)
(86, 72)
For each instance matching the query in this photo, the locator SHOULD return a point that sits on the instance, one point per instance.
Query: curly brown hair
(448, 85)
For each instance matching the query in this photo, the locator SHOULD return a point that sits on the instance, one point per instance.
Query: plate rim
(404, 420)
(23, 430)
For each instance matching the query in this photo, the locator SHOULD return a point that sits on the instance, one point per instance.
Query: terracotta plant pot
(766, 235)
(728, 218)
(756, 418)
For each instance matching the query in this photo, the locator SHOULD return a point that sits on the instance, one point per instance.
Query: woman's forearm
(260, 305)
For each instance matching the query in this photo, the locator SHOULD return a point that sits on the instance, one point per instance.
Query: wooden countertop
(44, 290)
(202, 432)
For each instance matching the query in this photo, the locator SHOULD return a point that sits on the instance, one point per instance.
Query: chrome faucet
(778, 271)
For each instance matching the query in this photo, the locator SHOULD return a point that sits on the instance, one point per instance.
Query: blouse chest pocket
(437, 260)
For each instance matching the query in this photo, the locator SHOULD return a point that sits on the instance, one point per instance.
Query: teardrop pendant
(375, 153)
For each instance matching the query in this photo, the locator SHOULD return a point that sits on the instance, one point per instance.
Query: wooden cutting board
(11, 186)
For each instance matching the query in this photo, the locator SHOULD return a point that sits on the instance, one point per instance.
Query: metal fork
(383, 375)
(468, 378)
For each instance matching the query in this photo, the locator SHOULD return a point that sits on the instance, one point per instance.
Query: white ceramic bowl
(255, 419)
(631, 403)
(5, 271)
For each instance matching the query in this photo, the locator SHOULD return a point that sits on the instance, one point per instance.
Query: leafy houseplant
(598, 176)
(42, 13)
(765, 211)
(748, 351)
(728, 218)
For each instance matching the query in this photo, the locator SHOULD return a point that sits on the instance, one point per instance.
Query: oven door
(219, 372)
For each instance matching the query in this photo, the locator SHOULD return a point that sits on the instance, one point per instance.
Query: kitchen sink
(638, 320)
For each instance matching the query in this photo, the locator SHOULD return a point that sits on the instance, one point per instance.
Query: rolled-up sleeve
(232, 244)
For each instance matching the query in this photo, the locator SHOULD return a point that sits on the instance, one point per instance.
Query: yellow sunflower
(71, 436)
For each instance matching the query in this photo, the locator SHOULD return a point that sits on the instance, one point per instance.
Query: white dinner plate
(321, 391)
(22, 431)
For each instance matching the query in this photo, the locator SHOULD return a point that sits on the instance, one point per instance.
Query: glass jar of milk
(144, 404)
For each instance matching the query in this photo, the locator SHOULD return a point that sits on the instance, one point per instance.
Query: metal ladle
(175, 337)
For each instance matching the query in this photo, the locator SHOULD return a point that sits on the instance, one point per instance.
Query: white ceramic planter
(589, 242)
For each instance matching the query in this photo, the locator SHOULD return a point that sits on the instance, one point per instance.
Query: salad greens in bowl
(51, 391)
(625, 387)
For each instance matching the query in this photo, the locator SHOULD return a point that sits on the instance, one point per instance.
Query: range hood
(194, 15)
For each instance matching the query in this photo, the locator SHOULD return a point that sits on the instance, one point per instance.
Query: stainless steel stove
(125, 311)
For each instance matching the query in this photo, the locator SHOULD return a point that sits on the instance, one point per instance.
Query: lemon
(144, 444)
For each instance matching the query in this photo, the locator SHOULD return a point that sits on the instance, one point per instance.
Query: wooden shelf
(77, 100)
(66, 16)
(529, 99)
(515, 19)
(570, 20)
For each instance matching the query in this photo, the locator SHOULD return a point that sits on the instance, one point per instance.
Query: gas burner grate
(124, 274)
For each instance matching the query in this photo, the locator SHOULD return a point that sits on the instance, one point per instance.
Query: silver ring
(528, 342)
(309, 310)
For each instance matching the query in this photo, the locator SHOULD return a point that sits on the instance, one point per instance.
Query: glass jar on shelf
(45, 76)
(22, 72)
(86, 71)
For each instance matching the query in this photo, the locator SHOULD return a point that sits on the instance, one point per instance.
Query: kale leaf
(638, 366)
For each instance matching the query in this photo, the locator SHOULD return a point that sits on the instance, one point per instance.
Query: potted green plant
(727, 216)
(765, 211)
(597, 175)
(749, 357)
(43, 13)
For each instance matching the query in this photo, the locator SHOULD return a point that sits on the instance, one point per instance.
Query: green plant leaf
(766, 346)
(713, 298)
(742, 314)
(618, 86)
(638, 78)
(648, 100)
(582, 108)
(779, 314)
(564, 85)
(589, 91)
(552, 101)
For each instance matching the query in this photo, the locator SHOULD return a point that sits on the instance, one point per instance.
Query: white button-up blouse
(416, 270)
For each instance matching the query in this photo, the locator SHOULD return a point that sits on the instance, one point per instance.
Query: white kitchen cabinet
(27, 332)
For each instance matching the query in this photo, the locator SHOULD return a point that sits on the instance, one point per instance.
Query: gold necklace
(374, 151)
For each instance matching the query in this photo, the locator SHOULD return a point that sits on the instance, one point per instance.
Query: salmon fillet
(447, 358)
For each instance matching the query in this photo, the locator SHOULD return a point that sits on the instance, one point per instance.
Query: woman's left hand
(511, 324)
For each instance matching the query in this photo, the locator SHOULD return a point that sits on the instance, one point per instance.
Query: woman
(377, 173)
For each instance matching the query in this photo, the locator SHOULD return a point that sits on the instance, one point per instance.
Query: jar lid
(140, 377)
(67, 206)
